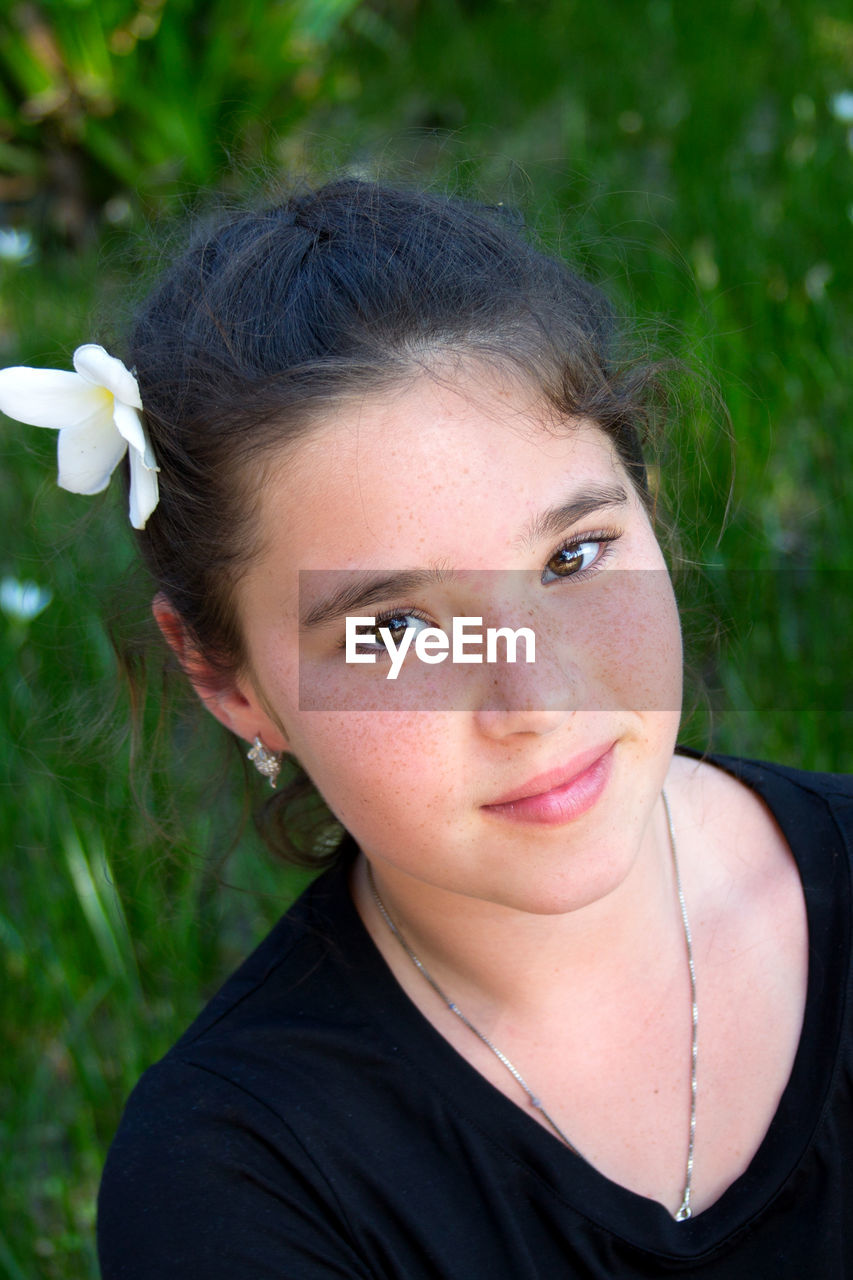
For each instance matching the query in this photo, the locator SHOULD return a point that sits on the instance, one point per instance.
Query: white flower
(96, 412)
(23, 601)
(16, 245)
(841, 106)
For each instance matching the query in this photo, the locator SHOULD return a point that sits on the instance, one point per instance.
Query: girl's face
(531, 525)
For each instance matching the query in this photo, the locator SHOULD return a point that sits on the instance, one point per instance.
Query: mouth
(562, 793)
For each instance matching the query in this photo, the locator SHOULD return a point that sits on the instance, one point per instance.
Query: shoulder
(793, 796)
(829, 785)
(777, 839)
(222, 1130)
(284, 976)
(276, 1013)
(205, 1178)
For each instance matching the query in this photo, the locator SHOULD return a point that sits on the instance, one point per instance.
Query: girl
(566, 1000)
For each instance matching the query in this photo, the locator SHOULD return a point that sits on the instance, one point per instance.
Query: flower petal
(88, 454)
(129, 425)
(144, 491)
(97, 411)
(103, 370)
(48, 397)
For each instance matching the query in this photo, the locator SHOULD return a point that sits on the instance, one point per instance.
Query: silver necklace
(685, 1210)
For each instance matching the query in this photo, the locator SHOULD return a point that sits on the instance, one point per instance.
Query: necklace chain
(685, 1210)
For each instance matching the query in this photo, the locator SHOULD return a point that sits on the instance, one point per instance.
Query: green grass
(687, 156)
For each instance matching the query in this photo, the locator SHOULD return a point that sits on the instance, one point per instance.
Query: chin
(578, 881)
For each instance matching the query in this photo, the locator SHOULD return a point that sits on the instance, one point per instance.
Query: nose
(537, 697)
(506, 724)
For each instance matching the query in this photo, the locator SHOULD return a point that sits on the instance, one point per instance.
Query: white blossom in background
(16, 245)
(23, 601)
(841, 106)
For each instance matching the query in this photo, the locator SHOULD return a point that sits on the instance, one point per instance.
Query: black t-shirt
(312, 1124)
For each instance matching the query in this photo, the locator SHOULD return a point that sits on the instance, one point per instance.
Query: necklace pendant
(684, 1212)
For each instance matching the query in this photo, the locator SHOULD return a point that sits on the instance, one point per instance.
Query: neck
(489, 957)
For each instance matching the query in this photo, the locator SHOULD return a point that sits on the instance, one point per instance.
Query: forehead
(433, 471)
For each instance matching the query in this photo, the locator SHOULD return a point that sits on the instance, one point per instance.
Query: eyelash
(606, 537)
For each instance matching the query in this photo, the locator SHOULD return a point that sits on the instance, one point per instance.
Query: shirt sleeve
(203, 1179)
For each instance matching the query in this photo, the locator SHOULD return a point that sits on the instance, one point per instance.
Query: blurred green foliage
(697, 160)
(104, 96)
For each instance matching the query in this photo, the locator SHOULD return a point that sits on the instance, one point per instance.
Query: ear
(234, 702)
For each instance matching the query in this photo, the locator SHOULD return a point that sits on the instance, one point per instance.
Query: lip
(560, 794)
(559, 777)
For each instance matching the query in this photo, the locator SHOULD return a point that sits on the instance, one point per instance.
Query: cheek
(618, 640)
(645, 641)
(374, 768)
(365, 763)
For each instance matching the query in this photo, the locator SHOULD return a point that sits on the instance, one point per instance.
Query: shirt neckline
(808, 826)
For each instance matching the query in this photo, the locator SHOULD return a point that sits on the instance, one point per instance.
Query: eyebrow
(365, 589)
(580, 505)
(361, 590)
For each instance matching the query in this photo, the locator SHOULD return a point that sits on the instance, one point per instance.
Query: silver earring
(266, 762)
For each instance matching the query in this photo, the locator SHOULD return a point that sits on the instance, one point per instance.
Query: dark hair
(271, 317)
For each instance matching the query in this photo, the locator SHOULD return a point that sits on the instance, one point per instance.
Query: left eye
(397, 624)
(571, 559)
